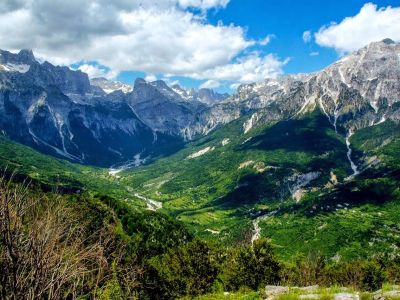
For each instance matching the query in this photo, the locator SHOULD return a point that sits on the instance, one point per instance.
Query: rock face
(346, 296)
(57, 111)
(275, 290)
(162, 109)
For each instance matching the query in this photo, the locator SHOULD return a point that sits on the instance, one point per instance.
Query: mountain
(300, 172)
(110, 86)
(357, 91)
(162, 109)
(59, 111)
(203, 95)
(305, 160)
(101, 122)
(54, 109)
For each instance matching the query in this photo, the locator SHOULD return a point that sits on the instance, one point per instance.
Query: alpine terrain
(173, 192)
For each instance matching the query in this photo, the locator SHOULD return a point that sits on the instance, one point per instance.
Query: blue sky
(285, 21)
(196, 43)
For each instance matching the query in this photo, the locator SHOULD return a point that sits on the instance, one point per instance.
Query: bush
(373, 276)
(188, 270)
(251, 267)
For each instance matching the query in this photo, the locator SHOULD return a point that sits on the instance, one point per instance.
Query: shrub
(251, 267)
(188, 270)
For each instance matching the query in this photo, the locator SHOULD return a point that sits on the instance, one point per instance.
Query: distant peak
(139, 81)
(159, 84)
(177, 86)
(99, 79)
(26, 54)
(388, 41)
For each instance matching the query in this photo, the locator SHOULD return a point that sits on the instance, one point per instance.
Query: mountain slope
(284, 180)
(300, 154)
(292, 159)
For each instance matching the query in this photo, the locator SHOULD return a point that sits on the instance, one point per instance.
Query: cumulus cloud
(11, 5)
(307, 36)
(94, 71)
(369, 25)
(251, 68)
(150, 77)
(265, 41)
(154, 36)
(316, 53)
(203, 4)
(210, 84)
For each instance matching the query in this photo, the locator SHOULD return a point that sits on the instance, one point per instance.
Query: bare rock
(346, 296)
(274, 290)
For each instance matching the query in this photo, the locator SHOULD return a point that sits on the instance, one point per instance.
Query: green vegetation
(329, 229)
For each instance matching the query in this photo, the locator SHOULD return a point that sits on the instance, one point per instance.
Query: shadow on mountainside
(312, 134)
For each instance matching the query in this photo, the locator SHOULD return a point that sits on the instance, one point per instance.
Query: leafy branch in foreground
(46, 247)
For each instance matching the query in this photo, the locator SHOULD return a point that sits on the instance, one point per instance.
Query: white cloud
(369, 25)
(203, 4)
(307, 36)
(150, 77)
(265, 41)
(95, 71)
(251, 68)
(210, 84)
(170, 82)
(316, 53)
(152, 36)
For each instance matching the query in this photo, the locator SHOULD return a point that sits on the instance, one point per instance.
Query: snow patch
(20, 68)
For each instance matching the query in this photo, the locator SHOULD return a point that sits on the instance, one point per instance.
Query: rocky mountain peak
(388, 41)
(139, 82)
(109, 86)
(26, 55)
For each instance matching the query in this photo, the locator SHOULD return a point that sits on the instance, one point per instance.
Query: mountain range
(61, 112)
(307, 160)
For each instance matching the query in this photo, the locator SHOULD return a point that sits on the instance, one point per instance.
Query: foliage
(188, 270)
(251, 266)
